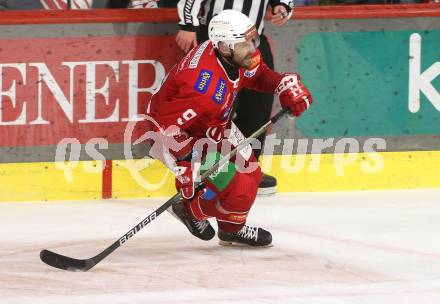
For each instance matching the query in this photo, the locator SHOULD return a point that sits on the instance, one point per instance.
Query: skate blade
(240, 245)
(267, 191)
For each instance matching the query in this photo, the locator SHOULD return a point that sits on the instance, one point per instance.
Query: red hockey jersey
(197, 96)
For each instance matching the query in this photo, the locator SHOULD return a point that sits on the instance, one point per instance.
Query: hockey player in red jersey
(192, 110)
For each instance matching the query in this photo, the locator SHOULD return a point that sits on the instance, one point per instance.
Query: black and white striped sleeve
(188, 11)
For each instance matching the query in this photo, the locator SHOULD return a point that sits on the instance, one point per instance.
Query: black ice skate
(268, 185)
(252, 236)
(201, 229)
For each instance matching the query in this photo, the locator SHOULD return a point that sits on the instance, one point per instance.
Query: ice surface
(342, 247)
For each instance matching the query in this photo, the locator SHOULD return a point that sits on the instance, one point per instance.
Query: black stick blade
(62, 262)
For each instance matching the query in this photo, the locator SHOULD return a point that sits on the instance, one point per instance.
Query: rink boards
(147, 178)
(72, 84)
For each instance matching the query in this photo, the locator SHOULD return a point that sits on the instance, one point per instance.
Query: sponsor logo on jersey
(203, 81)
(195, 60)
(250, 73)
(220, 91)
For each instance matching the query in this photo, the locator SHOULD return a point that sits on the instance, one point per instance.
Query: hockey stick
(66, 263)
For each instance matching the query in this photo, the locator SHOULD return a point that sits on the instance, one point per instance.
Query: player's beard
(245, 62)
(230, 60)
(237, 64)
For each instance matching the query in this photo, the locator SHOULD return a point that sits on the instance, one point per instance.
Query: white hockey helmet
(232, 27)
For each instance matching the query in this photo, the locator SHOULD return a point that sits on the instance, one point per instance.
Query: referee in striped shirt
(194, 18)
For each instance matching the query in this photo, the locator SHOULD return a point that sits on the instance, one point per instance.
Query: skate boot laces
(249, 232)
(201, 225)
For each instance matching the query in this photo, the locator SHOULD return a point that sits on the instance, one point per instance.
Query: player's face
(243, 52)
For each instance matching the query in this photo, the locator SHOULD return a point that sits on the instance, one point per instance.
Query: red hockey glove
(293, 94)
(185, 179)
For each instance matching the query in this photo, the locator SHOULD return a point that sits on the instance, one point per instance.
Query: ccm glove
(293, 95)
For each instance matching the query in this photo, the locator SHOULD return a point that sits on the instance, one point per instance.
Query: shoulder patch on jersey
(251, 73)
(195, 60)
(220, 91)
(203, 81)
